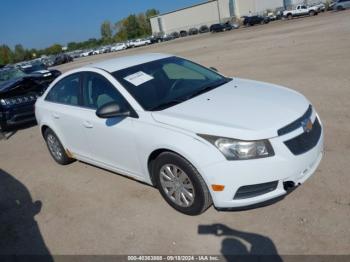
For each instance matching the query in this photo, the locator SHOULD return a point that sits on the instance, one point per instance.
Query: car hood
(19, 86)
(9, 84)
(242, 109)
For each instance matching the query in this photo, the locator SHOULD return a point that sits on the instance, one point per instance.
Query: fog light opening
(288, 185)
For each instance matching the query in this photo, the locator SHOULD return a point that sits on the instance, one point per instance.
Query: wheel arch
(152, 157)
(155, 153)
(43, 129)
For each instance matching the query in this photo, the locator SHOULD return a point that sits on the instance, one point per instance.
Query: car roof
(119, 63)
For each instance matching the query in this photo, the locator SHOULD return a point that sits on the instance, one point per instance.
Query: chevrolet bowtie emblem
(307, 125)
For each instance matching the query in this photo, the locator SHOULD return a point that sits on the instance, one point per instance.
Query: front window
(166, 82)
(12, 73)
(98, 91)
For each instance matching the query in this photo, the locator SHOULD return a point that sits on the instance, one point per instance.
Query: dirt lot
(87, 210)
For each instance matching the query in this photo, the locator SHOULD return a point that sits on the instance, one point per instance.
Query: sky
(41, 23)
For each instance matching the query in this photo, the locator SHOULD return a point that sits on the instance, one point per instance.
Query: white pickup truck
(301, 10)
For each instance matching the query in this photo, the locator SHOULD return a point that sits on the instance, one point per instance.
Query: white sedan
(118, 47)
(196, 135)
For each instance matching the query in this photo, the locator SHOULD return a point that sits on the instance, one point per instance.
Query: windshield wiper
(179, 100)
(207, 88)
(166, 104)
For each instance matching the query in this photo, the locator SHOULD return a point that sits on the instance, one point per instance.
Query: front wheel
(181, 185)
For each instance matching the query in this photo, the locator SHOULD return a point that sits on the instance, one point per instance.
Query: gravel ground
(81, 209)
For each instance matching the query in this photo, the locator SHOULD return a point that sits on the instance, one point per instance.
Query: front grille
(306, 141)
(255, 190)
(295, 124)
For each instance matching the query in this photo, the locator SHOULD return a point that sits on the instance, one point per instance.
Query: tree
(54, 49)
(20, 53)
(134, 26)
(6, 55)
(106, 30)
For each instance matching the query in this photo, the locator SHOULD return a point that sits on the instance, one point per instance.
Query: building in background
(216, 11)
(208, 13)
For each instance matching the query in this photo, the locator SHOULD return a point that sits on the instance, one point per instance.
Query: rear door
(66, 112)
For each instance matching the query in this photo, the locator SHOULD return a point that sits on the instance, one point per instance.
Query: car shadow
(234, 245)
(19, 232)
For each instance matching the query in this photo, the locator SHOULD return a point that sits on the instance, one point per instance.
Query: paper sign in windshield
(138, 78)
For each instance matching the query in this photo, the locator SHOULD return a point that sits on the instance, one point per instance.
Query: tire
(289, 16)
(56, 149)
(312, 13)
(340, 8)
(186, 179)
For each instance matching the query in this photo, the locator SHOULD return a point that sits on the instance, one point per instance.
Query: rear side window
(66, 91)
(98, 91)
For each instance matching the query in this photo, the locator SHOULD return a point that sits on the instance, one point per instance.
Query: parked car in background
(42, 73)
(321, 7)
(86, 53)
(222, 27)
(180, 132)
(48, 61)
(183, 33)
(272, 16)
(141, 42)
(62, 59)
(301, 10)
(156, 39)
(215, 28)
(255, 20)
(18, 93)
(341, 5)
(193, 31)
(118, 47)
(203, 29)
(175, 34)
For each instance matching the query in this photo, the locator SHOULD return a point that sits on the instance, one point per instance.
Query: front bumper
(17, 115)
(283, 167)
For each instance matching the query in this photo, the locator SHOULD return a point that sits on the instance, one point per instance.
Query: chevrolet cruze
(198, 136)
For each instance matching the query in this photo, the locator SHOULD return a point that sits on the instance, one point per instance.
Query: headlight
(3, 102)
(234, 149)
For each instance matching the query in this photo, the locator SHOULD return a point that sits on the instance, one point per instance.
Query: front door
(111, 140)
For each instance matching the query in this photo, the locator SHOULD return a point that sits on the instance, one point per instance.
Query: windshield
(33, 68)
(11, 73)
(166, 82)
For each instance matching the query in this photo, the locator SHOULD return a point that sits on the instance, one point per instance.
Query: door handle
(88, 124)
(55, 116)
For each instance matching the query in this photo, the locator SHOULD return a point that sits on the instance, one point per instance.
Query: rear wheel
(56, 149)
(312, 13)
(340, 8)
(180, 184)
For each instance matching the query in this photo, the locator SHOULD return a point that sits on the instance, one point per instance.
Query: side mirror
(214, 69)
(111, 110)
